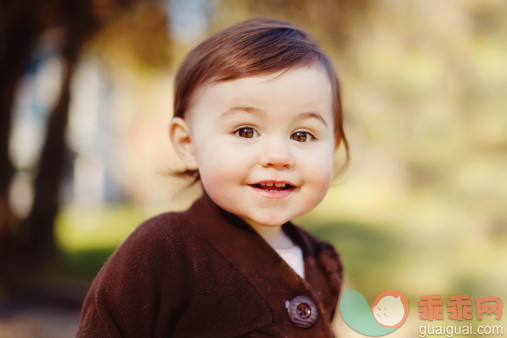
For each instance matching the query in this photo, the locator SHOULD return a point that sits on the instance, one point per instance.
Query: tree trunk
(21, 29)
(40, 223)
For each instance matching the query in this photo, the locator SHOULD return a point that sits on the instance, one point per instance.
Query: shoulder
(142, 260)
(159, 229)
(157, 254)
(166, 239)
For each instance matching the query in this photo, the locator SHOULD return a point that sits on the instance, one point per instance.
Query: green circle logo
(386, 314)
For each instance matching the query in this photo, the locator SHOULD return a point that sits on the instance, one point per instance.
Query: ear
(337, 141)
(182, 143)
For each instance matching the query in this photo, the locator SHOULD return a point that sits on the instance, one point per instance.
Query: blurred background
(86, 100)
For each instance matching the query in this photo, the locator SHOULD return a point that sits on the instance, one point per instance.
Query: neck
(275, 236)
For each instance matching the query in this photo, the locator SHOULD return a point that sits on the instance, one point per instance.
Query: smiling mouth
(270, 186)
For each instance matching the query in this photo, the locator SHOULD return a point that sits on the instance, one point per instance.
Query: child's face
(251, 134)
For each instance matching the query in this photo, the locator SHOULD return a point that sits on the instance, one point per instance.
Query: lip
(273, 194)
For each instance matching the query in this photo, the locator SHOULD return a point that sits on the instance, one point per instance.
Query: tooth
(269, 184)
(280, 185)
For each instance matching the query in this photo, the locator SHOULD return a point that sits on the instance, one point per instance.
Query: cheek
(223, 184)
(319, 169)
(218, 167)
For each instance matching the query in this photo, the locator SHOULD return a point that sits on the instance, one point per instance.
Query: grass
(87, 238)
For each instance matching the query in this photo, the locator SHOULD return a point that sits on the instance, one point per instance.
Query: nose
(277, 154)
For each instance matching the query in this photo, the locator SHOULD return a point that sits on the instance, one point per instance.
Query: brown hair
(251, 48)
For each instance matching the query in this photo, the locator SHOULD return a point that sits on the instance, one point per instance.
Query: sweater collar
(254, 258)
(234, 229)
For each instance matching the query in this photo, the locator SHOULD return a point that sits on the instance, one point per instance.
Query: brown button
(302, 311)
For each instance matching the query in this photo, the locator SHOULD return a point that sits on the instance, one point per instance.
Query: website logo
(460, 309)
(386, 314)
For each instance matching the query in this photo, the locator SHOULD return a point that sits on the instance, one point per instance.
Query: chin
(270, 222)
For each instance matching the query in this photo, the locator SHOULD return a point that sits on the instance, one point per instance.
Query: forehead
(299, 89)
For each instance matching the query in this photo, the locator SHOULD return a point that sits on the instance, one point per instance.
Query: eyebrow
(238, 109)
(257, 111)
(311, 115)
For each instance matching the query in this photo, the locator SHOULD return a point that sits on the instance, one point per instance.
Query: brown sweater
(207, 273)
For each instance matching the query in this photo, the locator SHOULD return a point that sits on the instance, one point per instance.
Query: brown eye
(302, 136)
(246, 132)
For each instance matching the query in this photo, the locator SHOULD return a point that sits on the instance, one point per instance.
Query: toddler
(257, 121)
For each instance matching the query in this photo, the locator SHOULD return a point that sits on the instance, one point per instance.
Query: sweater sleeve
(125, 299)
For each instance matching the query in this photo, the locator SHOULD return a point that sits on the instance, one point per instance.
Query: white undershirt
(283, 245)
(294, 257)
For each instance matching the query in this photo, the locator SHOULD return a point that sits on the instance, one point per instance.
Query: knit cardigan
(206, 273)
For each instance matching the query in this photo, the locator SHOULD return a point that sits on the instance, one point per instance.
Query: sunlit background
(421, 208)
